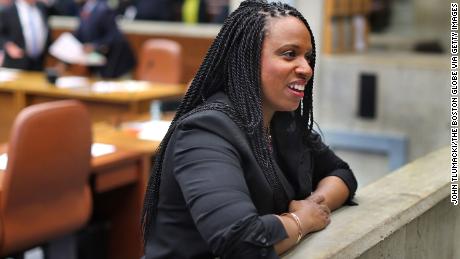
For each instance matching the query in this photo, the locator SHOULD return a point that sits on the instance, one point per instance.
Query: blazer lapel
(290, 193)
(291, 159)
(293, 156)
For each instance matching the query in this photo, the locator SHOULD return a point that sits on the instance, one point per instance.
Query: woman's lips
(296, 92)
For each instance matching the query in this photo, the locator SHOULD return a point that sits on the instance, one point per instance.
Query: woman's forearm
(334, 191)
(292, 231)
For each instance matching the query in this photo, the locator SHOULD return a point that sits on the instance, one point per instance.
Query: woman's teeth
(297, 87)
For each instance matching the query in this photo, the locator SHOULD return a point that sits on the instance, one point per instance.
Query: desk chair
(160, 61)
(44, 191)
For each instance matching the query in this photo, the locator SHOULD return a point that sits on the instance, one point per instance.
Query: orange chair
(44, 191)
(160, 61)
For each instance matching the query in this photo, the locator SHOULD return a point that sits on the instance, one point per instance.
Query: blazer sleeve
(327, 163)
(208, 169)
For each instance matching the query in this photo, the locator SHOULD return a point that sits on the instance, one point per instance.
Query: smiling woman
(241, 173)
(285, 70)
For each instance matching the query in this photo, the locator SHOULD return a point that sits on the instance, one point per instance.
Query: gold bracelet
(297, 222)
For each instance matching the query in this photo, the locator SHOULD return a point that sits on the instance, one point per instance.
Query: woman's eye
(289, 54)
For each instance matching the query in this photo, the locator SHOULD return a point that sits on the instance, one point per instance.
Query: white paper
(3, 161)
(150, 130)
(68, 49)
(120, 86)
(97, 149)
(8, 75)
(72, 82)
(100, 149)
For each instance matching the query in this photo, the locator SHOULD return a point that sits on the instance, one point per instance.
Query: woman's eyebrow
(295, 46)
(290, 45)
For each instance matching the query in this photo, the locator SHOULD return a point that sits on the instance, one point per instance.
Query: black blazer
(99, 28)
(214, 198)
(11, 30)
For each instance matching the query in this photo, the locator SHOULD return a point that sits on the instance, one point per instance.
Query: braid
(233, 65)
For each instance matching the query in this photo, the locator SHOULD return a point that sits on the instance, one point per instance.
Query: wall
(431, 235)
(406, 214)
(420, 20)
(412, 97)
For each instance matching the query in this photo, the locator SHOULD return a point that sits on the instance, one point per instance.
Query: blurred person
(65, 7)
(204, 11)
(4, 3)
(99, 32)
(217, 10)
(24, 34)
(158, 10)
(195, 11)
(126, 9)
(241, 173)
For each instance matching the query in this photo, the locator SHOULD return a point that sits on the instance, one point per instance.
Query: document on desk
(8, 74)
(68, 49)
(97, 149)
(72, 82)
(100, 149)
(153, 130)
(120, 86)
(3, 161)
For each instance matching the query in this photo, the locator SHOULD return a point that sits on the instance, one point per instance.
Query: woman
(234, 175)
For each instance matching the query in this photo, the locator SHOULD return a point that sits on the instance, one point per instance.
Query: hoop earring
(301, 107)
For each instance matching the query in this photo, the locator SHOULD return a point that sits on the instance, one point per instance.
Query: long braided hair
(232, 65)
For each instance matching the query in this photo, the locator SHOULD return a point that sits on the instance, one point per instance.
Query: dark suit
(158, 10)
(214, 198)
(99, 28)
(11, 30)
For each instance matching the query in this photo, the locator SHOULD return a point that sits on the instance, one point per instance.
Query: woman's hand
(317, 198)
(313, 215)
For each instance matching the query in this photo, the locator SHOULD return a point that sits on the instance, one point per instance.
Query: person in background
(217, 10)
(204, 11)
(158, 10)
(4, 3)
(99, 32)
(24, 34)
(65, 8)
(241, 173)
(126, 9)
(195, 11)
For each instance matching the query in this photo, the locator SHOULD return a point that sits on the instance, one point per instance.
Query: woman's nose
(304, 69)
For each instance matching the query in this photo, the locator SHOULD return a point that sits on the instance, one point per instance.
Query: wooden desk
(105, 133)
(121, 180)
(118, 182)
(31, 88)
